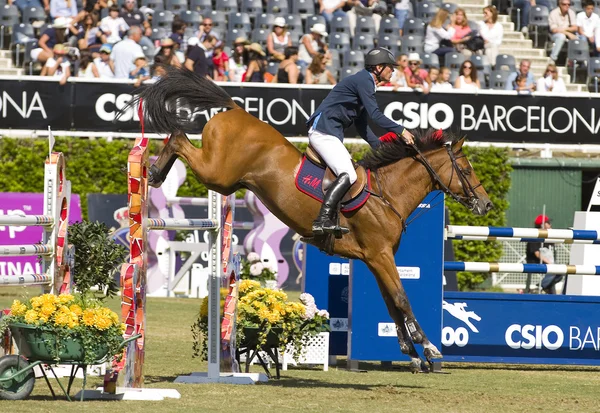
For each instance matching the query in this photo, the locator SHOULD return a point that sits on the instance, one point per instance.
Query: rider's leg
(336, 156)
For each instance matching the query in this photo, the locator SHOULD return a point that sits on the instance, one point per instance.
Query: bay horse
(240, 151)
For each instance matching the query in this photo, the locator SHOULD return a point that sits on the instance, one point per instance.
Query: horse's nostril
(489, 205)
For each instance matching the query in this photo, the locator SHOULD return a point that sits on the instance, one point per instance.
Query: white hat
(319, 28)
(193, 41)
(279, 22)
(414, 57)
(61, 22)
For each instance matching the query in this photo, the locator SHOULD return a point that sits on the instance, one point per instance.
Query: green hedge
(100, 166)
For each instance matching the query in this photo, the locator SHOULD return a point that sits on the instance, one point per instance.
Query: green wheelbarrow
(38, 347)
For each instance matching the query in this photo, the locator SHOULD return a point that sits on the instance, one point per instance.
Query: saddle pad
(309, 180)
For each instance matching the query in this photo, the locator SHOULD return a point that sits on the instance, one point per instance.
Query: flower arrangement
(69, 316)
(270, 312)
(254, 269)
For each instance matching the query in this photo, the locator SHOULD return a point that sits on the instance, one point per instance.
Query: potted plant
(254, 269)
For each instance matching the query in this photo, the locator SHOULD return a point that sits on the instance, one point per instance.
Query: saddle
(357, 187)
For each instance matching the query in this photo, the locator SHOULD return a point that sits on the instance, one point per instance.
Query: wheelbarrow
(38, 347)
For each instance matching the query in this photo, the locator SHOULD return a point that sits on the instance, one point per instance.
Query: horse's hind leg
(384, 268)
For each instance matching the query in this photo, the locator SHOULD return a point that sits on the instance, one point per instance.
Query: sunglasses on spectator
(565, 4)
(207, 24)
(414, 63)
(468, 67)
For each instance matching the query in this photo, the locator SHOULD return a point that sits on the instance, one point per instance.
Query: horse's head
(461, 181)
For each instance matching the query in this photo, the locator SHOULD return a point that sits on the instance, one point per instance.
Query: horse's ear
(458, 145)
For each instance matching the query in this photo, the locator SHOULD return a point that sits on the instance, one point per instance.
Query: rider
(350, 101)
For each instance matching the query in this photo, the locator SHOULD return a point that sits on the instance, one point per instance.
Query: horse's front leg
(158, 171)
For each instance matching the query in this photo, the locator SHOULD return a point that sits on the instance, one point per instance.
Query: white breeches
(333, 152)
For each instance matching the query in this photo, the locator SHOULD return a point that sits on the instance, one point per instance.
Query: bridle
(469, 200)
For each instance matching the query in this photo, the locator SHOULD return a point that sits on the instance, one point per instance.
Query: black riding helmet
(379, 56)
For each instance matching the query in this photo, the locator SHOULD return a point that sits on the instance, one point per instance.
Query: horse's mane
(392, 151)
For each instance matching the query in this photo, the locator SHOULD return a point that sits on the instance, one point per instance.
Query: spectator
(524, 67)
(256, 64)
(207, 29)
(588, 25)
(442, 82)
(467, 79)
(134, 17)
(124, 52)
(311, 45)
(416, 77)
(58, 65)
(331, 8)
(492, 32)
(238, 62)
(113, 26)
(166, 49)
(550, 82)
(437, 39)
(543, 253)
(220, 63)
(140, 73)
(177, 31)
(288, 71)
(87, 68)
(158, 68)
(462, 31)
(104, 64)
(89, 35)
(278, 40)
(197, 59)
(317, 73)
(401, 12)
(63, 8)
(525, 7)
(398, 78)
(359, 8)
(57, 34)
(563, 26)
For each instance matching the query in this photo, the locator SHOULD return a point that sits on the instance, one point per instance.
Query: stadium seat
(9, 16)
(339, 41)
(33, 14)
(278, 6)
(453, 60)
(578, 53)
(451, 7)
(335, 58)
(453, 76)
(158, 33)
(192, 18)
(498, 79)
(365, 25)
(239, 21)
(505, 62)
(340, 24)
(233, 34)
(349, 71)
(163, 19)
(593, 79)
(414, 26)
(176, 6)
(204, 7)
(227, 6)
(389, 25)
(412, 44)
(426, 10)
(252, 7)
(303, 8)
(260, 36)
(430, 60)
(156, 5)
(294, 22)
(363, 42)
(312, 20)
(354, 58)
(219, 19)
(22, 33)
(272, 68)
(389, 41)
(296, 35)
(149, 52)
(482, 80)
(264, 21)
(538, 24)
(481, 63)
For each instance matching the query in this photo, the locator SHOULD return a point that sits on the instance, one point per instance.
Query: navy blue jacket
(352, 101)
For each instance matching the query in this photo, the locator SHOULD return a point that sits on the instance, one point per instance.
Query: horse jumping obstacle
(133, 274)
(57, 256)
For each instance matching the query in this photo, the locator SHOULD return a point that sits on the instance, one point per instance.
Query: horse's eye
(467, 171)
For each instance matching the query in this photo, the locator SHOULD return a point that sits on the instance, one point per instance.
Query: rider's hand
(408, 137)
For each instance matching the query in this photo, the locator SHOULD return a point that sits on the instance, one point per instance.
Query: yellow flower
(36, 302)
(247, 286)
(17, 308)
(47, 309)
(102, 322)
(75, 309)
(31, 317)
(43, 319)
(65, 298)
(88, 317)
(49, 299)
(62, 319)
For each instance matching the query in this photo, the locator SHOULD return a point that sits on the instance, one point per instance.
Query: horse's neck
(408, 182)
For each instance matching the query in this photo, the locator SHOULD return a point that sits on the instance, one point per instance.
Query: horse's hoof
(431, 352)
(154, 177)
(415, 366)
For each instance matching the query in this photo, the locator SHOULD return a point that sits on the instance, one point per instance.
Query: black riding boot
(326, 221)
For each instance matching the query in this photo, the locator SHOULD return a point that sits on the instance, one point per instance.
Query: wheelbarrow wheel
(19, 387)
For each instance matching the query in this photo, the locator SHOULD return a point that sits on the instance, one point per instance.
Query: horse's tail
(169, 104)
